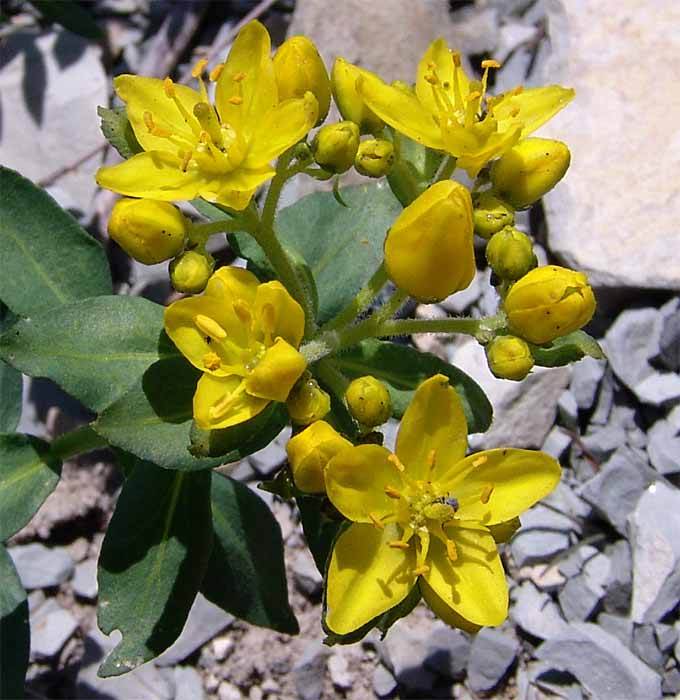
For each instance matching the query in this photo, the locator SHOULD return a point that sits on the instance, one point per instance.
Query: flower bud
(428, 250)
(148, 230)
(307, 401)
(526, 172)
(335, 146)
(374, 158)
(509, 357)
(350, 103)
(549, 302)
(369, 401)
(510, 254)
(190, 272)
(310, 451)
(298, 69)
(491, 214)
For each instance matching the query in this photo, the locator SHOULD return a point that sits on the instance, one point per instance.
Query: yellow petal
(278, 313)
(366, 577)
(356, 480)
(531, 108)
(180, 325)
(433, 430)
(451, 78)
(148, 95)
(443, 611)
(154, 175)
(277, 371)
(402, 111)
(474, 585)
(510, 480)
(281, 128)
(212, 390)
(232, 283)
(248, 76)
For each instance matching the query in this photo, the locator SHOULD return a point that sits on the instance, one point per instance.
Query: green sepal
(117, 130)
(241, 440)
(403, 369)
(246, 575)
(414, 168)
(567, 349)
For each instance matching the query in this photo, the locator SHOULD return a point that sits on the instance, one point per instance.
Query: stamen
(395, 462)
(392, 492)
(455, 57)
(451, 550)
(482, 459)
(209, 327)
(431, 459)
(199, 67)
(421, 570)
(221, 407)
(376, 521)
(491, 63)
(242, 311)
(235, 100)
(473, 96)
(186, 157)
(216, 72)
(238, 77)
(208, 120)
(398, 544)
(149, 122)
(486, 493)
(268, 322)
(211, 360)
(169, 87)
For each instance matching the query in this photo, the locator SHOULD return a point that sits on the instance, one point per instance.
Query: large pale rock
(51, 85)
(615, 214)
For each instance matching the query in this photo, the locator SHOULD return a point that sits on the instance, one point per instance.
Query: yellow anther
(216, 72)
(421, 570)
(482, 459)
(514, 112)
(392, 492)
(238, 77)
(209, 327)
(451, 550)
(431, 459)
(235, 100)
(169, 87)
(211, 360)
(491, 63)
(394, 461)
(486, 493)
(517, 90)
(199, 67)
(148, 121)
(398, 544)
(186, 157)
(204, 137)
(222, 406)
(242, 311)
(376, 521)
(475, 94)
(455, 56)
(431, 78)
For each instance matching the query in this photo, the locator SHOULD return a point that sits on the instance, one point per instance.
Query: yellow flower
(244, 336)
(425, 516)
(194, 149)
(450, 112)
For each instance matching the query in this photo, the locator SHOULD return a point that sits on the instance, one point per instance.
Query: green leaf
(403, 368)
(152, 562)
(95, 349)
(569, 348)
(11, 388)
(70, 15)
(28, 475)
(117, 130)
(246, 574)
(14, 630)
(48, 259)
(240, 440)
(343, 246)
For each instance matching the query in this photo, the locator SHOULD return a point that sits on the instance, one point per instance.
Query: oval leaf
(246, 574)
(48, 259)
(11, 386)
(28, 475)
(152, 562)
(95, 349)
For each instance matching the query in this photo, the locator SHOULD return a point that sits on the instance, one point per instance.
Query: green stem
(446, 169)
(274, 192)
(361, 301)
(81, 440)
(332, 377)
(198, 234)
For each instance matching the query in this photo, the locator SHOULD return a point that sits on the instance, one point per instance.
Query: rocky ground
(595, 570)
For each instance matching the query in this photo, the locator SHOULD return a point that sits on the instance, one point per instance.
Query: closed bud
(310, 451)
(526, 172)
(344, 78)
(369, 401)
(307, 401)
(491, 214)
(510, 254)
(374, 158)
(428, 251)
(549, 302)
(190, 272)
(509, 357)
(335, 146)
(148, 230)
(298, 68)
